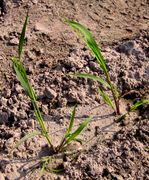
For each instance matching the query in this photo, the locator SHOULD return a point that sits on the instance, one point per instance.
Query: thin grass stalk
(41, 122)
(116, 100)
(90, 42)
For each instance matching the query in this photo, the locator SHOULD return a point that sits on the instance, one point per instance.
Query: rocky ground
(114, 150)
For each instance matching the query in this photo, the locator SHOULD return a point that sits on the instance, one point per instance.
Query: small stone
(10, 101)
(41, 28)
(73, 97)
(31, 55)
(3, 117)
(4, 101)
(30, 69)
(14, 98)
(23, 124)
(14, 41)
(31, 123)
(62, 102)
(22, 114)
(126, 47)
(45, 109)
(94, 66)
(34, 1)
(10, 143)
(50, 93)
(146, 17)
(18, 88)
(7, 93)
(20, 97)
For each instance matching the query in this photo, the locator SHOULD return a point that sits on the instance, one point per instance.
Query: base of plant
(55, 163)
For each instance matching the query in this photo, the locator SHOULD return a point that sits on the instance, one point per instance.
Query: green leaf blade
(93, 77)
(22, 77)
(88, 39)
(79, 130)
(106, 98)
(26, 137)
(138, 103)
(22, 37)
(71, 122)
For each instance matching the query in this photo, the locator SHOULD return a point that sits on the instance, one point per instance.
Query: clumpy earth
(51, 53)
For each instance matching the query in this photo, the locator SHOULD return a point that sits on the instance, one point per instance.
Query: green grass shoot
(90, 42)
(24, 81)
(138, 104)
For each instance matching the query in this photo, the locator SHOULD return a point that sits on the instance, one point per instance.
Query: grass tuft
(84, 34)
(69, 136)
(90, 42)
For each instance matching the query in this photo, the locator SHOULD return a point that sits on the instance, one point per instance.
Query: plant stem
(116, 100)
(41, 123)
(61, 145)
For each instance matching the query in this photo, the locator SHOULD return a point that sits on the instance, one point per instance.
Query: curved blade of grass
(22, 77)
(106, 98)
(71, 121)
(28, 136)
(88, 39)
(139, 103)
(22, 37)
(58, 170)
(78, 131)
(45, 162)
(79, 140)
(93, 77)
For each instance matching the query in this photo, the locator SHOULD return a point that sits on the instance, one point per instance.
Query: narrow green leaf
(57, 170)
(139, 103)
(78, 131)
(46, 161)
(22, 77)
(79, 140)
(22, 37)
(28, 136)
(106, 98)
(88, 39)
(93, 77)
(71, 122)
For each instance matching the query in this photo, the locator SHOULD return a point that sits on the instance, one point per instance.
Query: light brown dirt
(112, 150)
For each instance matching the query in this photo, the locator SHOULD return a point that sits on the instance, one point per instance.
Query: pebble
(126, 47)
(62, 102)
(31, 123)
(4, 101)
(45, 109)
(94, 66)
(18, 88)
(50, 93)
(22, 114)
(31, 55)
(41, 28)
(3, 117)
(34, 1)
(73, 97)
(14, 41)
(7, 93)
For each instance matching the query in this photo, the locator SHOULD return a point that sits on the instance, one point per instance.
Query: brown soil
(113, 150)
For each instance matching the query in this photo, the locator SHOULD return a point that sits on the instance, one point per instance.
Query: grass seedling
(84, 34)
(133, 108)
(69, 136)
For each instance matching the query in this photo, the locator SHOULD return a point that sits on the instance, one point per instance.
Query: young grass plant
(84, 34)
(69, 136)
(133, 108)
